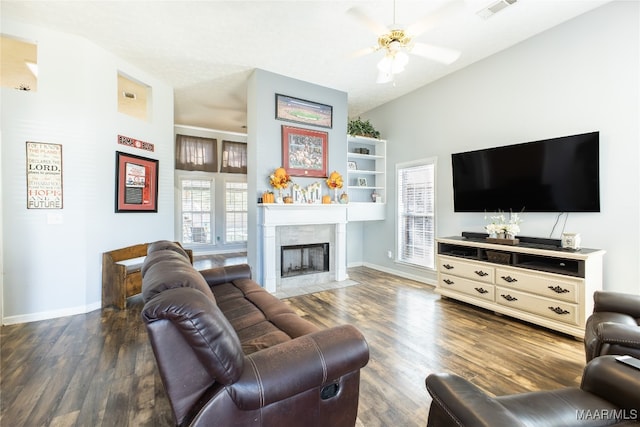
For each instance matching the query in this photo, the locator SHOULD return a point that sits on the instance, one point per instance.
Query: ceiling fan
(396, 41)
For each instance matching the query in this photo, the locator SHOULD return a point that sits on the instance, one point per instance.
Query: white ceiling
(206, 50)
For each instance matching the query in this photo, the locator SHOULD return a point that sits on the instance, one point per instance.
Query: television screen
(552, 175)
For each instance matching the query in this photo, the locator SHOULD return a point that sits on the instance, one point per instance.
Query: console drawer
(548, 285)
(466, 286)
(469, 269)
(546, 307)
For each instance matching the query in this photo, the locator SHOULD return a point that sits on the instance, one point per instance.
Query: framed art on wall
(298, 110)
(44, 175)
(304, 152)
(136, 183)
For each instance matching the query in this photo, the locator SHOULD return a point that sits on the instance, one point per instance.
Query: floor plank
(98, 369)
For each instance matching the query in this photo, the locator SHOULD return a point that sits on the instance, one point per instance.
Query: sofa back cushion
(164, 270)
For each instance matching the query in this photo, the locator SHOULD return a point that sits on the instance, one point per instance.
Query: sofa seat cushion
(260, 320)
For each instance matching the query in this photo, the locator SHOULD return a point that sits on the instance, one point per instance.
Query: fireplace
(302, 224)
(297, 260)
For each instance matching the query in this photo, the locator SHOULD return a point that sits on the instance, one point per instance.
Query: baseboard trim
(53, 314)
(417, 278)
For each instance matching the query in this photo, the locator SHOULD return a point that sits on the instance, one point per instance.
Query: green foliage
(358, 127)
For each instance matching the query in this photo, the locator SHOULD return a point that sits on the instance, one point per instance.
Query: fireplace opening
(296, 260)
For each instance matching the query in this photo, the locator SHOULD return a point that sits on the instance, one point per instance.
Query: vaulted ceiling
(206, 50)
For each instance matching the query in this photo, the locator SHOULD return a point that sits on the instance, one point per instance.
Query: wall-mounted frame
(44, 175)
(297, 110)
(136, 183)
(304, 151)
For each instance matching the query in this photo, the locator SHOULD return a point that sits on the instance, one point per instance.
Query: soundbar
(534, 241)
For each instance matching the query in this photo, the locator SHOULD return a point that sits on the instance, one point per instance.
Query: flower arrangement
(335, 180)
(499, 225)
(279, 179)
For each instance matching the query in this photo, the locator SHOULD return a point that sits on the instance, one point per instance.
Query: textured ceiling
(206, 50)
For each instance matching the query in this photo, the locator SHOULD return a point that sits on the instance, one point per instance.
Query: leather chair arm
(472, 406)
(616, 333)
(295, 366)
(617, 302)
(226, 274)
(613, 381)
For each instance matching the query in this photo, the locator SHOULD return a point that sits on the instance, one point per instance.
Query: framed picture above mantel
(304, 152)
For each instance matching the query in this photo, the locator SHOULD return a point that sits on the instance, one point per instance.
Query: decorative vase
(335, 195)
(280, 200)
(500, 235)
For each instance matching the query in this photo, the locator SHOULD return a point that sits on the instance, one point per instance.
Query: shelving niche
(366, 175)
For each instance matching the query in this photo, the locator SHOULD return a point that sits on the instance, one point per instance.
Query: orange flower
(334, 180)
(279, 179)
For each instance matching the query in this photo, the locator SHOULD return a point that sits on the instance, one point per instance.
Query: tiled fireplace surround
(296, 224)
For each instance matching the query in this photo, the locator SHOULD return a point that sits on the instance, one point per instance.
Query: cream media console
(538, 283)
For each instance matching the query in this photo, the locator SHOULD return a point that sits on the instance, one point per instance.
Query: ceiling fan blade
(362, 52)
(376, 27)
(440, 15)
(435, 53)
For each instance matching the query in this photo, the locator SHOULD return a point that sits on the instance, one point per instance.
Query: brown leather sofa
(614, 326)
(608, 396)
(231, 354)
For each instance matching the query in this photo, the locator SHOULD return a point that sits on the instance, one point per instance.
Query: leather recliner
(614, 326)
(607, 396)
(231, 354)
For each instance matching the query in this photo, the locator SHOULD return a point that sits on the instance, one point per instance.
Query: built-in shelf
(366, 178)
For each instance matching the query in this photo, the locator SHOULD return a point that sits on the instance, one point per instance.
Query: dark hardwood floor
(98, 369)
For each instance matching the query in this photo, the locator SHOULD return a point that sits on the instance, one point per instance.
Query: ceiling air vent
(494, 8)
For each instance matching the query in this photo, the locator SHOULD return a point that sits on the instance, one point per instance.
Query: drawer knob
(481, 273)
(481, 290)
(509, 297)
(448, 267)
(509, 279)
(558, 310)
(558, 289)
(448, 282)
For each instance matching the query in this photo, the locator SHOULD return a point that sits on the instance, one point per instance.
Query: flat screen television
(552, 175)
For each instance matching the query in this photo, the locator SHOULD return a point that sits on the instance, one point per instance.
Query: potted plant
(359, 127)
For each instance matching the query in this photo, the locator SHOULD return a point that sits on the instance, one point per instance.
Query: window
(235, 212)
(234, 157)
(197, 215)
(194, 153)
(415, 215)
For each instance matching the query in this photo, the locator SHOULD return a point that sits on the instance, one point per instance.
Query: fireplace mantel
(273, 216)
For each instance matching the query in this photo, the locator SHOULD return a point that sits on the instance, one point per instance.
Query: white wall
(265, 141)
(54, 269)
(578, 77)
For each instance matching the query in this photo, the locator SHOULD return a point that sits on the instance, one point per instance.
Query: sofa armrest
(613, 381)
(226, 274)
(295, 366)
(617, 302)
(457, 402)
(616, 333)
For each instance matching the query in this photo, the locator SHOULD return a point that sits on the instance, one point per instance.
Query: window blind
(416, 230)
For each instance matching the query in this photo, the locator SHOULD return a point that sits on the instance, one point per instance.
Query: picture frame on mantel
(136, 183)
(304, 152)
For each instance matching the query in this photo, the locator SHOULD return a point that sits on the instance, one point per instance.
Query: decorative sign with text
(134, 143)
(44, 175)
